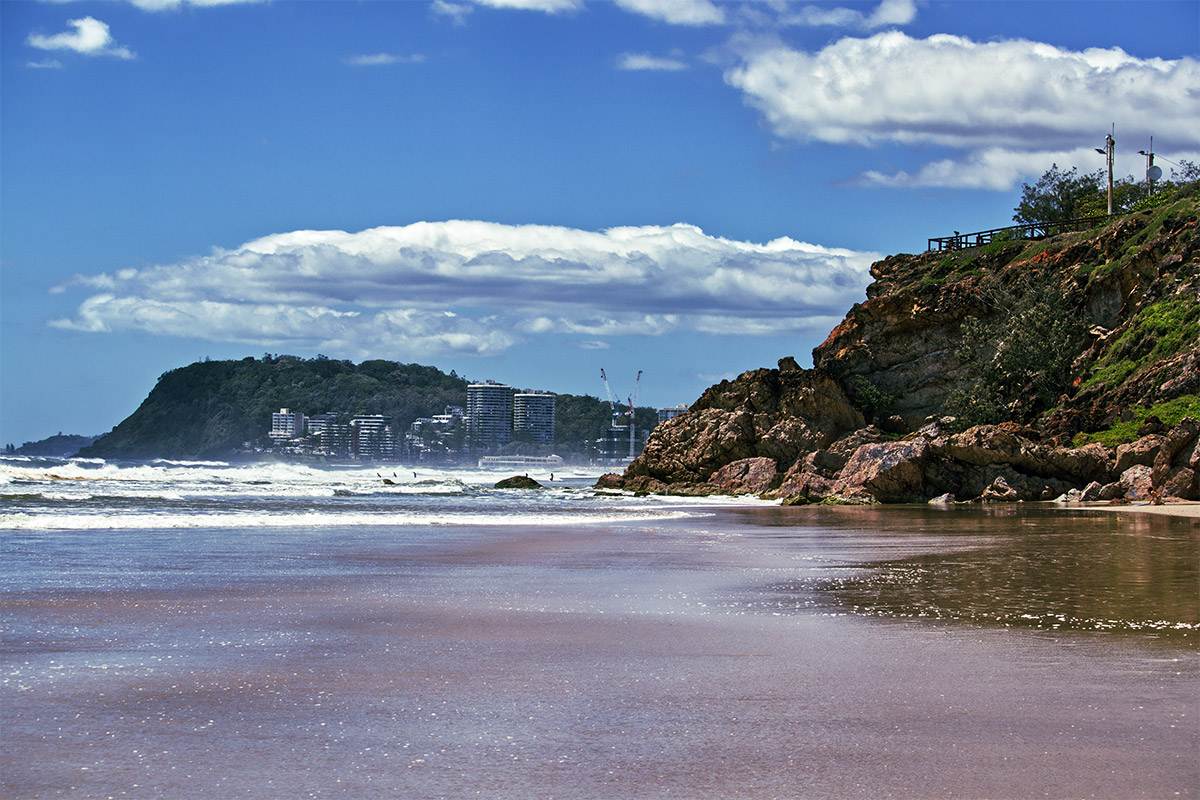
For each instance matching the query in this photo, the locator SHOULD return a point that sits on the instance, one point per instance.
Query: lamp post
(1110, 145)
(1153, 173)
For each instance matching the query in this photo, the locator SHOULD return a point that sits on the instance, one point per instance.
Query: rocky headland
(1018, 370)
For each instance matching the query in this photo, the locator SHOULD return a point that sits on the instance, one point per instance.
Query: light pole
(1110, 145)
(1153, 173)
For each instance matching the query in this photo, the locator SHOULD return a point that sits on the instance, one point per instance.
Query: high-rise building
(333, 437)
(372, 437)
(489, 415)
(665, 414)
(533, 417)
(286, 424)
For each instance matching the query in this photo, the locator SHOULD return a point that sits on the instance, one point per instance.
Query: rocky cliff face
(896, 361)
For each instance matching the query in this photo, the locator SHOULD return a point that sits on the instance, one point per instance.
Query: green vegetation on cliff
(1067, 333)
(211, 409)
(214, 409)
(1170, 413)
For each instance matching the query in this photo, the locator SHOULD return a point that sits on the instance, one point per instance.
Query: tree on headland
(1067, 194)
(1018, 360)
(1056, 196)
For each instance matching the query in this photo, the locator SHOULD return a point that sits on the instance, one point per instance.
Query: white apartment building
(287, 424)
(372, 437)
(665, 414)
(489, 414)
(533, 414)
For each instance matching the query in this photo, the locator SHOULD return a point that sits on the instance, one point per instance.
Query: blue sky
(522, 190)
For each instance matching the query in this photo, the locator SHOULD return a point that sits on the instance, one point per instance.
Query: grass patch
(1170, 412)
(1156, 332)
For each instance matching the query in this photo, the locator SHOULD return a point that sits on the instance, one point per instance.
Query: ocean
(213, 630)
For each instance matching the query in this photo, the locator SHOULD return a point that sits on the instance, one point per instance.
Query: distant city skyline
(522, 190)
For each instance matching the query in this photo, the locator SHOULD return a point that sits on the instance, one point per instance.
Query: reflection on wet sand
(752, 652)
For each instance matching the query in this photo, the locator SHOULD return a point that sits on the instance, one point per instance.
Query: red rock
(747, 476)
(1136, 482)
(1143, 451)
(888, 471)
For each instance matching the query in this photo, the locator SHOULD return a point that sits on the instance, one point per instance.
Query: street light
(1153, 173)
(1109, 146)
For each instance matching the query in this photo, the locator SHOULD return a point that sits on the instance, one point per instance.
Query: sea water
(213, 630)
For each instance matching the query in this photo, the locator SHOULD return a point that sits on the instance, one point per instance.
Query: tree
(1018, 361)
(1058, 195)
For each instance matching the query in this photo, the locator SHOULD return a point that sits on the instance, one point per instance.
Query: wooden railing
(1034, 230)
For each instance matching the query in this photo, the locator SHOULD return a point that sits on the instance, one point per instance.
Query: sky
(522, 190)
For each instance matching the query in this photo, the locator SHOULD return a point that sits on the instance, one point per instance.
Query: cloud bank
(1009, 107)
(477, 288)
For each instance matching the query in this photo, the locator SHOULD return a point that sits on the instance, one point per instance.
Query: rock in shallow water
(519, 482)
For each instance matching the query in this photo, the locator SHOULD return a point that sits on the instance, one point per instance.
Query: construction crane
(618, 410)
(612, 405)
(632, 401)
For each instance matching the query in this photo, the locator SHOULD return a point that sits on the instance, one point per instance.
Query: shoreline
(1171, 508)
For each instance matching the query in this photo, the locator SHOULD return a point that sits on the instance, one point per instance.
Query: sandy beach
(1171, 508)
(168, 636)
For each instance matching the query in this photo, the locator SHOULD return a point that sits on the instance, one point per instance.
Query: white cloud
(383, 59)
(389, 290)
(886, 14)
(645, 61)
(547, 6)
(892, 12)
(172, 5)
(1000, 102)
(457, 12)
(677, 12)
(90, 37)
(994, 168)
(50, 63)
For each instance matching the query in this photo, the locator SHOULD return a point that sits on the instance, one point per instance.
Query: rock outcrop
(802, 435)
(518, 482)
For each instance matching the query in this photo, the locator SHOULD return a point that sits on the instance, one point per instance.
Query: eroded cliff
(1066, 339)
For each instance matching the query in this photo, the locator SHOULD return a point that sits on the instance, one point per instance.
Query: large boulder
(780, 414)
(1136, 483)
(889, 472)
(747, 476)
(1143, 451)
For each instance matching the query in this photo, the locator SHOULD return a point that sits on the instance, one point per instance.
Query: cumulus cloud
(464, 287)
(677, 12)
(645, 61)
(1002, 104)
(89, 37)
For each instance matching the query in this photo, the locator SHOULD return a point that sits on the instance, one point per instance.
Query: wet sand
(543, 663)
(1170, 508)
